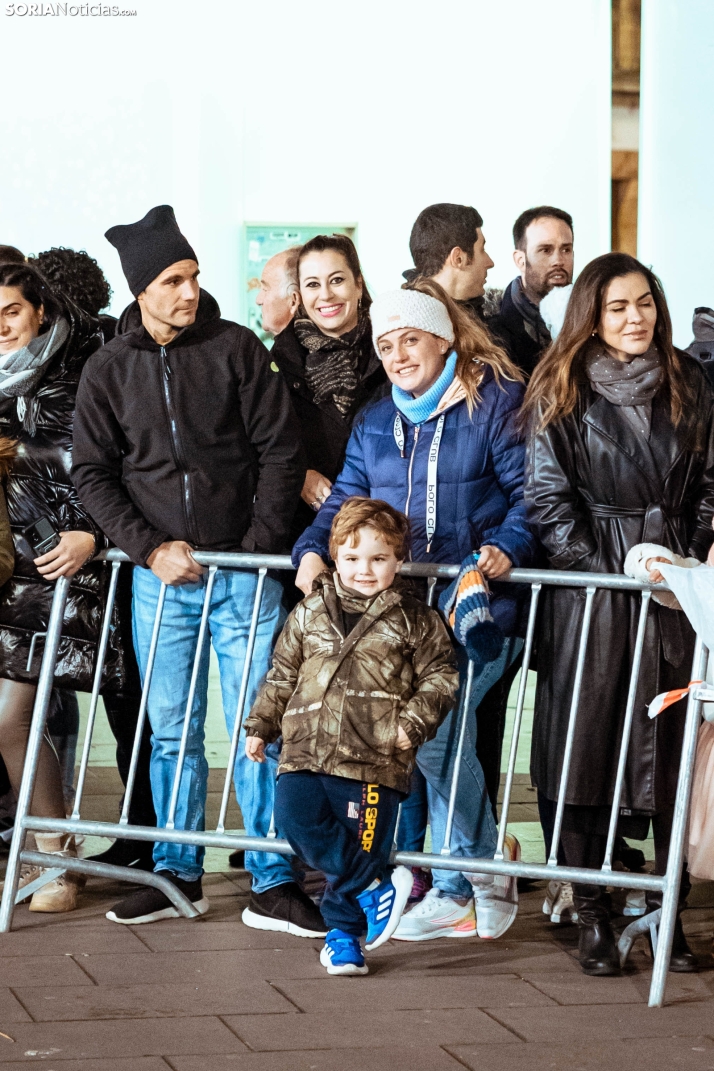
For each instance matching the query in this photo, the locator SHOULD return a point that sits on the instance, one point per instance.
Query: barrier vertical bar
(203, 628)
(567, 754)
(96, 684)
(250, 646)
(446, 847)
(520, 702)
(34, 743)
(143, 705)
(627, 729)
(675, 857)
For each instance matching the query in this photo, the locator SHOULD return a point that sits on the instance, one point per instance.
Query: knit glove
(465, 606)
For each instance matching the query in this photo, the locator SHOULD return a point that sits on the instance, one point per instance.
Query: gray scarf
(631, 385)
(25, 369)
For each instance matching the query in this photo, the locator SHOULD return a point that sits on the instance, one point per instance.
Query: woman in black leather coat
(621, 452)
(43, 346)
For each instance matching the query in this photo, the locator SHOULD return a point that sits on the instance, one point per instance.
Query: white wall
(676, 209)
(286, 111)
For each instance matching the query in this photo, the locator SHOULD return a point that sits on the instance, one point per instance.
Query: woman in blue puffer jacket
(446, 450)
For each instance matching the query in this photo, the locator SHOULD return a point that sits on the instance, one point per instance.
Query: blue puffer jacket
(479, 483)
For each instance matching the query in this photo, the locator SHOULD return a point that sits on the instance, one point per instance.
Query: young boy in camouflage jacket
(363, 673)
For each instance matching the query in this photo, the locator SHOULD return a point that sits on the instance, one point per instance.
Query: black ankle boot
(682, 960)
(597, 947)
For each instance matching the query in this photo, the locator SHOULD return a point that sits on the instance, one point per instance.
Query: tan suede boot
(28, 873)
(61, 894)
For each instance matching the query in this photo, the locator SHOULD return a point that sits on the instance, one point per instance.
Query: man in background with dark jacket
(185, 439)
(447, 244)
(543, 254)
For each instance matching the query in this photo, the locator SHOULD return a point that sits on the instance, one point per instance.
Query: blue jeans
(474, 832)
(228, 626)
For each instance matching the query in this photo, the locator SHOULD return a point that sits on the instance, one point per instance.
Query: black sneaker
(150, 905)
(285, 908)
(138, 854)
(236, 860)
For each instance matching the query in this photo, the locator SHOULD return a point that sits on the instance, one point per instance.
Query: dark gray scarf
(631, 385)
(333, 365)
(533, 322)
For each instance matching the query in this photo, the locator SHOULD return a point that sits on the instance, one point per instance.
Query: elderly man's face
(278, 303)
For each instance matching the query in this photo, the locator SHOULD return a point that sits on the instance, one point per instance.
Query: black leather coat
(593, 491)
(39, 485)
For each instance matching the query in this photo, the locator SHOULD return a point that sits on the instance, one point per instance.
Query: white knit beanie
(409, 308)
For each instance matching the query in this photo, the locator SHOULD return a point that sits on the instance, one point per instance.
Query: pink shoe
(421, 885)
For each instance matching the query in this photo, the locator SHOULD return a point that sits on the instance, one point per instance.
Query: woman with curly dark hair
(77, 276)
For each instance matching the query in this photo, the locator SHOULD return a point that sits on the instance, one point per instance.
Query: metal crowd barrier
(668, 884)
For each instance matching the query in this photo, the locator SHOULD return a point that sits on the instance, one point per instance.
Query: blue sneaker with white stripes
(341, 954)
(384, 905)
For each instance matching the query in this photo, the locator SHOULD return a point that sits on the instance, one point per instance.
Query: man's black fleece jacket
(196, 440)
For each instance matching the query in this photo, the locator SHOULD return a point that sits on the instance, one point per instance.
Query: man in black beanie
(185, 439)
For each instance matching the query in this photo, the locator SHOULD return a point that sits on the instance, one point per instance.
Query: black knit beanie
(149, 247)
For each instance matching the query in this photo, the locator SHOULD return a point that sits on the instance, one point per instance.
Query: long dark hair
(34, 288)
(341, 244)
(560, 373)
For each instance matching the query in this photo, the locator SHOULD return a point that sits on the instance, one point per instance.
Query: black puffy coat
(39, 485)
(593, 491)
(323, 428)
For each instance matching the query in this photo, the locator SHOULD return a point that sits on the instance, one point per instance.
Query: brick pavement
(80, 994)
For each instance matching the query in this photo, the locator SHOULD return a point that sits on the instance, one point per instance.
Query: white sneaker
(559, 902)
(497, 899)
(436, 916)
(635, 904)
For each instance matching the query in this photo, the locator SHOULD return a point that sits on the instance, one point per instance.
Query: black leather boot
(682, 959)
(597, 948)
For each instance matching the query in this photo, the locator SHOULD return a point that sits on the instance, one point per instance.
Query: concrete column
(676, 207)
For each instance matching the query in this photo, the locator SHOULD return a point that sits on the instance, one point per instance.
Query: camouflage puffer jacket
(340, 700)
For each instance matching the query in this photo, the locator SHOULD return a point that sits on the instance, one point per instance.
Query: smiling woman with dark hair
(621, 452)
(328, 360)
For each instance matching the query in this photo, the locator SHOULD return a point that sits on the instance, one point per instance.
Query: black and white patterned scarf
(333, 365)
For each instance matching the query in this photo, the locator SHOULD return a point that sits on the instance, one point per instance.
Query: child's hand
(255, 749)
(403, 741)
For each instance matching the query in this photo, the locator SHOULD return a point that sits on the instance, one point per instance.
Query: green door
(261, 242)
